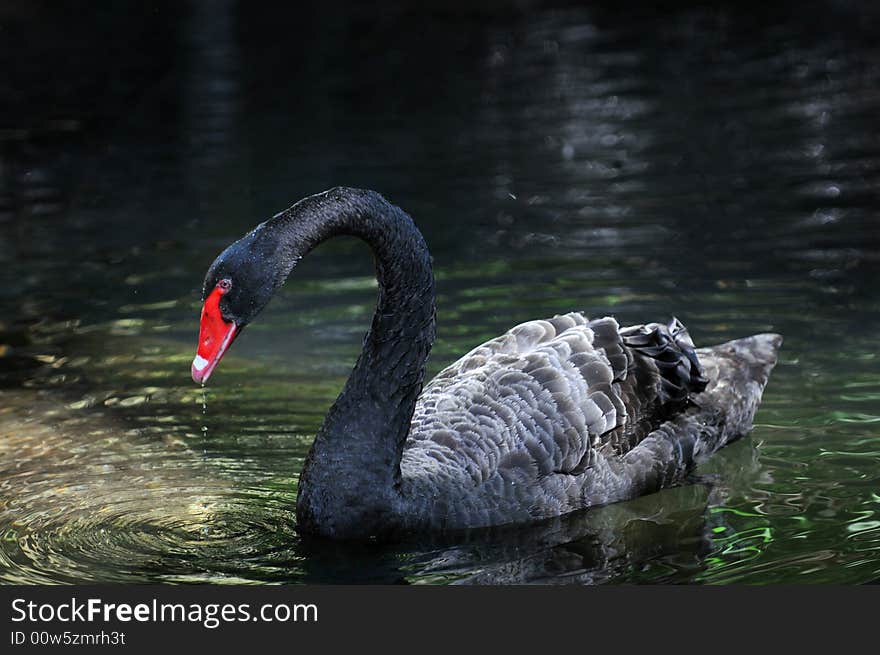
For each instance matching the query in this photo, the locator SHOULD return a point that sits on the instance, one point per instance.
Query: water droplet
(204, 421)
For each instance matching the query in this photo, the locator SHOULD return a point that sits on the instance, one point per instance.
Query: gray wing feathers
(566, 413)
(533, 401)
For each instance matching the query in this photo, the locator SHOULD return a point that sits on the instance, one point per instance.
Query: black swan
(553, 416)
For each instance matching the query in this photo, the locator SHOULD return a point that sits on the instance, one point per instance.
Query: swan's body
(551, 417)
(559, 415)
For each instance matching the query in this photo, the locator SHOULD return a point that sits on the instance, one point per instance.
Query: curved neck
(349, 481)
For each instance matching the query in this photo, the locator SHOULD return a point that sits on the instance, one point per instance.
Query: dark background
(716, 161)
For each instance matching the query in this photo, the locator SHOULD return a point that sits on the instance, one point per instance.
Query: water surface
(719, 166)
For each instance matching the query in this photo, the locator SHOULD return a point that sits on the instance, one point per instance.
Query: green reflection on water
(609, 177)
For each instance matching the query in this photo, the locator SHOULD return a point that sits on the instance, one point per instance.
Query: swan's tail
(737, 372)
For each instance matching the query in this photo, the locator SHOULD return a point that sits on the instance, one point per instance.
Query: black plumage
(552, 416)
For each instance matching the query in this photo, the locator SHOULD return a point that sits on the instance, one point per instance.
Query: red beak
(215, 337)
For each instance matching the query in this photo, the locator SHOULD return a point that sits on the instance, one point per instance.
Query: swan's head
(238, 285)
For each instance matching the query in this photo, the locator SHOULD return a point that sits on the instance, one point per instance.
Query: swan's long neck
(350, 478)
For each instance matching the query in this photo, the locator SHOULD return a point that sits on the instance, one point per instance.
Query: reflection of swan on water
(668, 536)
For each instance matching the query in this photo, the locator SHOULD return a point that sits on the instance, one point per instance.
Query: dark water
(719, 165)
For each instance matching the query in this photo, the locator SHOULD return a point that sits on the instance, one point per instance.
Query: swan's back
(541, 420)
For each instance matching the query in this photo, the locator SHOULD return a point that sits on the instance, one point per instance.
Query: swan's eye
(224, 285)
